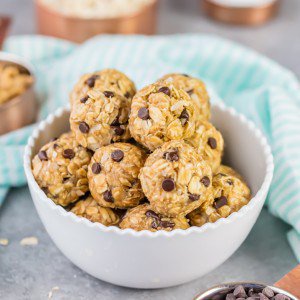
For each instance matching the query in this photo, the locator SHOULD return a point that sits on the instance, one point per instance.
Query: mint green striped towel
(256, 86)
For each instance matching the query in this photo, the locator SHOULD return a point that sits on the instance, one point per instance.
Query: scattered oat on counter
(4, 242)
(29, 241)
(50, 294)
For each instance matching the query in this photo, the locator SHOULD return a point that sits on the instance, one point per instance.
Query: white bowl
(154, 260)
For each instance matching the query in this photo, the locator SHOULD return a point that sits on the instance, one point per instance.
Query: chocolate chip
(262, 296)
(45, 190)
(53, 139)
(108, 197)
(143, 113)
(167, 224)
(165, 90)
(151, 214)
(55, 146)
(239, 291)
(115, 122)
(96, 168)
(43, 155)
(268, 292)
(91, 81)
(212, 143)
(168, 185)
(205, 181)
(84, 99)
(118, 130)
(184, 117)
(117, 155)
(68, 153)
(194, 197)
(219, 202)
(155, 223)
(108, 94)
(127, 95)
(84, 127)
(190, 92)
(230, 297)
(171, 155)
(253, 293)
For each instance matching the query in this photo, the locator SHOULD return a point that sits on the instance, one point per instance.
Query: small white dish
(157, 259)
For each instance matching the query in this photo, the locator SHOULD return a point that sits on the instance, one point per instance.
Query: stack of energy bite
(146, 160)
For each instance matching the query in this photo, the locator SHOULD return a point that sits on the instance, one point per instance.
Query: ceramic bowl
(157, 259)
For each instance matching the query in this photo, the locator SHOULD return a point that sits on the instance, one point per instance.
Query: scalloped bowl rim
(208, 226)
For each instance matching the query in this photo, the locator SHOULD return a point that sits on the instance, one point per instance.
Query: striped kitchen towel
(256, 86)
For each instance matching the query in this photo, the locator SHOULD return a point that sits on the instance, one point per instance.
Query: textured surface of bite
(91, 210)
(143, 217)
(230, 194)
(195, 88)
(101, 117)
(60, 169)
(209, 143)
(175, 179)
(113, 175)
(109, 79)
(160, 113)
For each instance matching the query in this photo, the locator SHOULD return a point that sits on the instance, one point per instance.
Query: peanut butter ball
(143, 217)
(60, 169)
(175, 179)
(113, 175)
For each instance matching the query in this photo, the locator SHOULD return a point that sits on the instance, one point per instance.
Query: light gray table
(31, 272)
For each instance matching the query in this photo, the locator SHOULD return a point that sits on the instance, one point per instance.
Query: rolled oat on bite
(208, 142)
(113, 175)
(175, 179)
(102, 118)
(160, 113)
(194, 87)
(107, 79)
(230, 194)
(60, 169)
(91, 210)
(143, 217)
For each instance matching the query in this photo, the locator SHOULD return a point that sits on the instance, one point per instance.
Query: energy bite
(143, 217)
(13, 81)
(195, 88)
(160, 113)
(100, 118)
(91, 210)
(113, 175)
(175, 179)
(230, 193)
(60, 169)
(108, 79)
(209, 143)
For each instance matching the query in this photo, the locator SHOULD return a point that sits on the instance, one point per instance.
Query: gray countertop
(31, 272)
